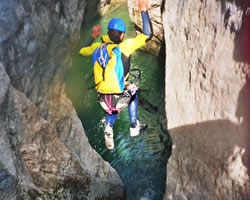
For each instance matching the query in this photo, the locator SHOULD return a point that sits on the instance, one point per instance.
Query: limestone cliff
(44, 150)
(206, 89)
(99, 7)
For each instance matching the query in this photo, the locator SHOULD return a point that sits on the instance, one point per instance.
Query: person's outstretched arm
(132, 44)
(146, 22)
(87, 48)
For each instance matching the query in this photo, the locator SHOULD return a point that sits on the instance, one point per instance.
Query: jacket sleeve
(130, 45)
(88, 48)
(146, 24)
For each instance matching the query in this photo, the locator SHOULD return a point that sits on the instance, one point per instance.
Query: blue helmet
(117, 24)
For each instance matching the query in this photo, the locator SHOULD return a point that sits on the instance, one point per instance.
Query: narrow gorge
(45, 153)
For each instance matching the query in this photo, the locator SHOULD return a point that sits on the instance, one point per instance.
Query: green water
(141, 161)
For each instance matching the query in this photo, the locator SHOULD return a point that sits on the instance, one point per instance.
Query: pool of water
(141, 161)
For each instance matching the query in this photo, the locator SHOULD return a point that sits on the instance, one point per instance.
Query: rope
(102, 58)
(111, 109)
(137, 77)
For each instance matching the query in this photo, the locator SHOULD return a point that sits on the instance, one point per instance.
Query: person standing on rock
(112, 79)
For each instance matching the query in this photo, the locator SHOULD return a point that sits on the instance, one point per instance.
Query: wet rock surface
(44, 150)
(206, 99)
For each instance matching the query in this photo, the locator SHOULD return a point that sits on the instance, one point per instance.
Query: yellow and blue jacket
(127, 47)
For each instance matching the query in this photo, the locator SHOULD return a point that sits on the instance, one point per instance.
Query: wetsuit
(127, 47)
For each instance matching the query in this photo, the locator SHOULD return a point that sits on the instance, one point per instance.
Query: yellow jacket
(127, 47)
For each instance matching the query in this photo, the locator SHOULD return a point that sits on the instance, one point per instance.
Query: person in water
(116, 31)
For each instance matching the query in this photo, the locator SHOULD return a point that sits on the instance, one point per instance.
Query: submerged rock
(44, 150)
(206, 90)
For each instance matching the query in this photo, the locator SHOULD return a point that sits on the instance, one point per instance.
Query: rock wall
(99, 8)
(44, 150)
(207, 98)
(156, 45)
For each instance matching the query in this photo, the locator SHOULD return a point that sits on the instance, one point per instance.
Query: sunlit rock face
(44, 150)
(206, 98)
(155, 9)
(99, 8)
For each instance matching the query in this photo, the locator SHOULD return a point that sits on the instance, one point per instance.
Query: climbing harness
(111, 109)
(114, 103)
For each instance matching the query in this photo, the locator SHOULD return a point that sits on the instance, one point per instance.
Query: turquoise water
(141, 161)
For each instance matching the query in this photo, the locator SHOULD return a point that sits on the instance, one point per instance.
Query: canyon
(44, 150)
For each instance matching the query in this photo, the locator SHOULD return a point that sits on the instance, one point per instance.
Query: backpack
(108, 69)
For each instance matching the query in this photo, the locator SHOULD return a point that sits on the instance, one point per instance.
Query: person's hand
(142, 5)
(96, 31)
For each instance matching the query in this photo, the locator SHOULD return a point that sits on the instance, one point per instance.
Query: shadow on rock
(212, 158)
